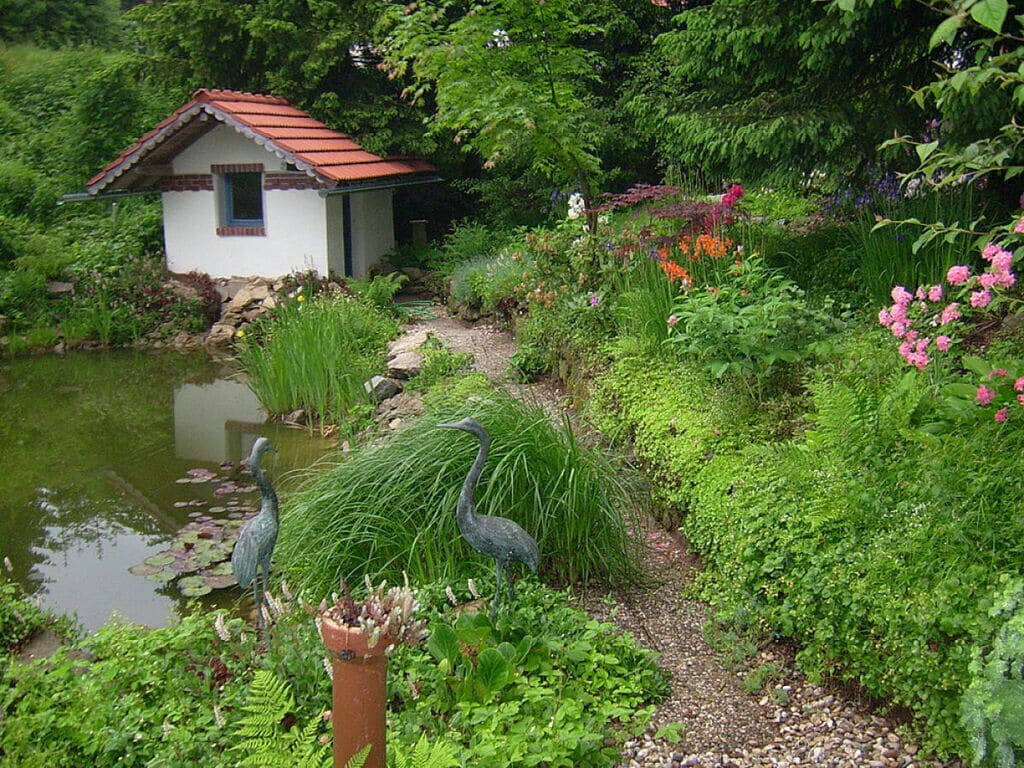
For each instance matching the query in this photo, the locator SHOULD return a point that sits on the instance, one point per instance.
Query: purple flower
(595, 300)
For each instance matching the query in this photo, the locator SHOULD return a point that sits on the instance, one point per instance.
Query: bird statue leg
(511, 589)
(256, 600)
(497, 591)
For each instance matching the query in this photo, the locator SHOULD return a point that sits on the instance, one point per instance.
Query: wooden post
(360, 693)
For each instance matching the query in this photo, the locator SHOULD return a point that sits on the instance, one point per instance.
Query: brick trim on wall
(187, 182)
(289, 180)
(237, 168)
(241, 231)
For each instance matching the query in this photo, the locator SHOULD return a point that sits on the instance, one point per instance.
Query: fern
(440, 754)
(992, 709)
(265, 743)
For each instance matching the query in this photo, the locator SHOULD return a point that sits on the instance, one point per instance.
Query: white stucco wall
(294, 220)
(373, 228)
(335, 235)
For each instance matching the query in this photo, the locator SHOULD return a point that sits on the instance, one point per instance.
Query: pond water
(96, 450)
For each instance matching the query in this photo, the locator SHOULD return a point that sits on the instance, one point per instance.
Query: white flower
(576, 205)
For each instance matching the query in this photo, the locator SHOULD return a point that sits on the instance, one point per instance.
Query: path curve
(788, 723)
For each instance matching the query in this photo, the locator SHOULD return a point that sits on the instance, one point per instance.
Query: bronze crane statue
(258, 537)
(496, 537)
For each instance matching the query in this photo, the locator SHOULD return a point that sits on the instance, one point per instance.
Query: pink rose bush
(928, 322)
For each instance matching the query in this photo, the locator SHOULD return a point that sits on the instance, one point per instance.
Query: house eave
(82, 197)
(374, 184)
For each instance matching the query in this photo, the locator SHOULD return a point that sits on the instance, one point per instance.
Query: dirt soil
(786, 722)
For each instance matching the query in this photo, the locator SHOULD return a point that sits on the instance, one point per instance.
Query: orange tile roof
(311, 146)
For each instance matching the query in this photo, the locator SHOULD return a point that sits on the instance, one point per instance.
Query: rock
(58, 288)
(185, 341)
(60, 349)
(410, 342)
(179, 288)
(221, 335)
(250, 294)
(405, 365)
(380, 388)
(297, 416)
(3, 324)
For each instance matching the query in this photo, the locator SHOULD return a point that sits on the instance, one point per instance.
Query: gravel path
(788, 723)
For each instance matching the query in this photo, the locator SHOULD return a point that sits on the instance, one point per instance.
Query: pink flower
(1002, 260)
(1000, 415)
(990, 251)
(985, 395)
(1019, 384)
(935, 293)
(884, 318)
(999, 372)
(1020, 399)
(950, 313)
(672, 321)
(898, 329)
(1005, 279)
(987, 280)
(981, 299)
(942, 342)
(922, 345)
(920, 294)
(958, 274)
(901, 295)
(919, 360)
(1019, 229)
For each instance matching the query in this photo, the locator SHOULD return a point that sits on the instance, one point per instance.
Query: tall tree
(781, 86)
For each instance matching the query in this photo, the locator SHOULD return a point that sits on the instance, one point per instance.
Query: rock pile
(244, 303)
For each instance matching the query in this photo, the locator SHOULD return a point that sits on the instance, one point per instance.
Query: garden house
(252, 186)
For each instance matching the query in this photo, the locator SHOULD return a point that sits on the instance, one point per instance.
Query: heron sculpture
(496, 537)
(258, 537)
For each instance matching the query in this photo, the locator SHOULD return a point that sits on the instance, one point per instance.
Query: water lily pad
(160, 559)
(179, 504)
(218, 510)
(187, 537)
(194, 586)
(162, 577)
(197, 503)
(183, 480)
(188, 565)
(221, 569)
(246, 488)
(224, 490)
(143, 570)
(219, 582)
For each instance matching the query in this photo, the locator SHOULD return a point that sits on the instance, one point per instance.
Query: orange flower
(675, 272)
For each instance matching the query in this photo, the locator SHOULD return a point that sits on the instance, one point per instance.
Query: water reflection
(95, 447)
(216, 422)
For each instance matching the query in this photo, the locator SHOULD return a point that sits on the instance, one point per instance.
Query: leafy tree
(781, 87)
(58, 22)
(509, 78)
(317, 53)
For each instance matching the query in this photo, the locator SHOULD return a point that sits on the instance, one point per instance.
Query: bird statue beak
(448, 426)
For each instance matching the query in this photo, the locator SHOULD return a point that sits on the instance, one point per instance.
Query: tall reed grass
(390, 507)
(886, 255)
(644, 305)
(315, 355)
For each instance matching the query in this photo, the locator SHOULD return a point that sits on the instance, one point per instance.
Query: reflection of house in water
(216, 422)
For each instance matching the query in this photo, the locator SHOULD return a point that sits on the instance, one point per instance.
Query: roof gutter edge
(344, 189)
(82, 197)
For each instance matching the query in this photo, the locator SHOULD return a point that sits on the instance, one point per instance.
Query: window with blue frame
(243, 199)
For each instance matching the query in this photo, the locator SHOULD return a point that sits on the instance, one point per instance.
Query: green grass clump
(316, 355)
(390, 507)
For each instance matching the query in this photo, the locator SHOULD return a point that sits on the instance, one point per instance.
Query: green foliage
(750, 325)
(380, 290)
(390, 507)
(440, 364)
(58, 22)
(316, 355)
(733, 106)
(992, 711)
(643, 305)
(868, 540)
(888, 255)
(782, 204)
(507, 79)
(439, 754)
(467, 242)
(20, 619)
(489, 284)
(677, 419)
(264, 742)
(543, 685)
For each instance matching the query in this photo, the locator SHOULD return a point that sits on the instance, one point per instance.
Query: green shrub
(390, 507)
(753, 324)
(21, 618)
(489, 284)
(643, 305)
(439, 365)
(677, 420)
(467, 242)
(870, 542)
(316, 355)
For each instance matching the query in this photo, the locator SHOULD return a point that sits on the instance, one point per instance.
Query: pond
(101, 459)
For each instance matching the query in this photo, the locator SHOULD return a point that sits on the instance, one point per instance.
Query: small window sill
(241, 231)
